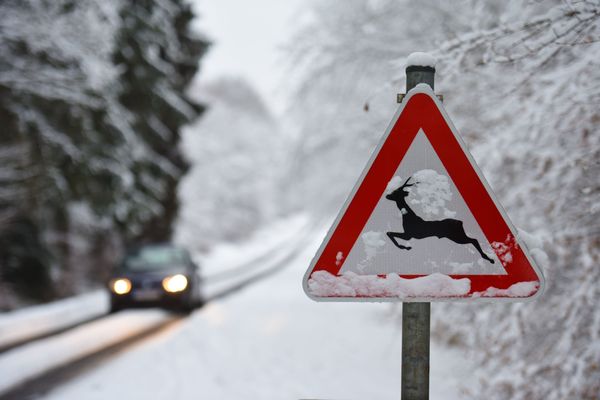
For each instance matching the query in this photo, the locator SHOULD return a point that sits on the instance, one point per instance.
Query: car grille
(148, 283)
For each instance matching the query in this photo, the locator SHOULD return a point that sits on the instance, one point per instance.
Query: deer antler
(405, 183)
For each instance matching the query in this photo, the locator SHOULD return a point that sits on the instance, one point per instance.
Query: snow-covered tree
(67, 121)
(521, 82)
(55, 87)
(236, 152)
(157, 56)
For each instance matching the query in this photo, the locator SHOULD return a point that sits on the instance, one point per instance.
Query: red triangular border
(422, 110)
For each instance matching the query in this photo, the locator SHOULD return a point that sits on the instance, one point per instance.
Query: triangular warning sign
(422, 224)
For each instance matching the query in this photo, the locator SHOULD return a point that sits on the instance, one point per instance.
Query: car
(153, 275)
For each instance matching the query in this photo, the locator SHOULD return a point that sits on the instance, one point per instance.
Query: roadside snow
(229, 256)
(31, 322)
(229, 265)
(324, 284)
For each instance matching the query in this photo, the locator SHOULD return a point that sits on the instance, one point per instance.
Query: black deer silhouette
(416, 227)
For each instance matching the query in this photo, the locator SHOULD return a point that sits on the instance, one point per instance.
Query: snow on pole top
(420, 59)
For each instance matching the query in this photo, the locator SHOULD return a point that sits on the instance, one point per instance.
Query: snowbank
(224, 259)
(230, 265)
(324, 284)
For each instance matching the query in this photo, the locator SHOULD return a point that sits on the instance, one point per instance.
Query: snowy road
(268, 342)
(31, 323)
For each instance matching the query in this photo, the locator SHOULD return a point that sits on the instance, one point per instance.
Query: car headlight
(175, 283)
(120, 286)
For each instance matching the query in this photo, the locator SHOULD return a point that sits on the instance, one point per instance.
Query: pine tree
(90, 135)
(158, 58)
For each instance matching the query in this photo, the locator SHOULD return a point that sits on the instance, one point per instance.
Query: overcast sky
(246, 37)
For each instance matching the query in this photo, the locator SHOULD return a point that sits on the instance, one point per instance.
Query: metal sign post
(416, 316)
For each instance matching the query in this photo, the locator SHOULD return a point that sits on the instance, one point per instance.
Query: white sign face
(433, 197)
(422, 224)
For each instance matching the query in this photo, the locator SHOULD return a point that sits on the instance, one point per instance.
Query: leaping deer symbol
(416, 227)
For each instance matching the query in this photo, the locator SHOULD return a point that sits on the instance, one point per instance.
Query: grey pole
(416, 316)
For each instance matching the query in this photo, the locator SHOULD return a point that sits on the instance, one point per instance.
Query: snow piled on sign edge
(420, 59)
(519, 289)
(436, 285)
(350, 284)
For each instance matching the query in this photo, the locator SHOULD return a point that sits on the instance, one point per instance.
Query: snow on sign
(421, 223)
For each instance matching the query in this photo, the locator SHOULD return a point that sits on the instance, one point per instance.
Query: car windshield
(155, 258)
